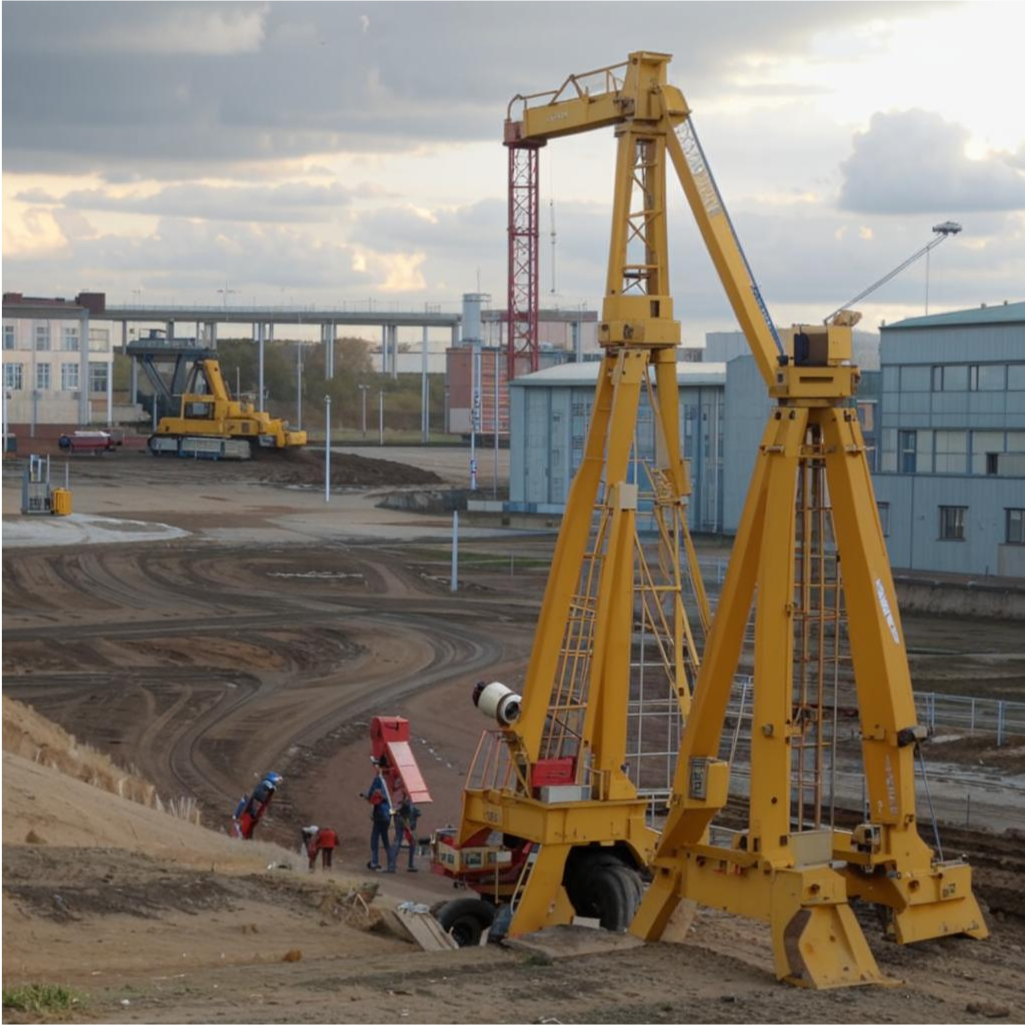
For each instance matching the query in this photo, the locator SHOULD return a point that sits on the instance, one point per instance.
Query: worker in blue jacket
(380, 816)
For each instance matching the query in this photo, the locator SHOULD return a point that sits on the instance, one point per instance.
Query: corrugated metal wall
(550, 425)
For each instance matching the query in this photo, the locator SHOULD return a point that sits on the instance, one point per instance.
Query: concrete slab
(82, 529)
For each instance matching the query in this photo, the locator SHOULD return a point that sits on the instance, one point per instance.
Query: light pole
(364, 388)
(475, 412)
(298, 385)
(380, 418)
(225, 292)
(327, 448)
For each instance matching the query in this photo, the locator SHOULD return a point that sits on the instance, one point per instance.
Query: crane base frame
(801, 883)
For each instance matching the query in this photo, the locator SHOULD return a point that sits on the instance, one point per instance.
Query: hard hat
(273, 778)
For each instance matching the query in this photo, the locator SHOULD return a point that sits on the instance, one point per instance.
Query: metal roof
(567, 375)
(1005, 313)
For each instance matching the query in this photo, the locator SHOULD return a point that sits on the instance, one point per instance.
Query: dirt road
(266, 638)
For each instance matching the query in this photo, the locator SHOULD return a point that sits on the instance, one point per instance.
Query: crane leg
(544, 901)
(928, 897)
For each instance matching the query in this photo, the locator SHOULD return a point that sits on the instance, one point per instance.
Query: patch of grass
(38, 998)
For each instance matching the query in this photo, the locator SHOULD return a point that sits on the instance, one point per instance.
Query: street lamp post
(364, 388)
(327, 448)
(380, 418)
(298, 385)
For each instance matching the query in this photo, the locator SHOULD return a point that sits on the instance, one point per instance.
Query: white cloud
(204, 29)
(916, 162)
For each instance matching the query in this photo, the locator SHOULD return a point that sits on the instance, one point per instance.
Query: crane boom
(943, 231)
(637, 94)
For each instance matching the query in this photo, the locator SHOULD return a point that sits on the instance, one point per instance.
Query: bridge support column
(393, 332)
(327, 336)
(260, 328)
(133, 367)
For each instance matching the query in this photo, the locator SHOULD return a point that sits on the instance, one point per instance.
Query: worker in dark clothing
(253, 807)
(381, 816)
(406, 817)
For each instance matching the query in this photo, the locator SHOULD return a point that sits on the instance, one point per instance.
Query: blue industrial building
(951, 477)
(943, 419)
(550, 412)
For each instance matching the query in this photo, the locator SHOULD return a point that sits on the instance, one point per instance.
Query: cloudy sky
(310, 153)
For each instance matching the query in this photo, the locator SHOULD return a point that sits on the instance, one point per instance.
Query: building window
(42, 377)
(9, 336)
(71, 339)
(98, 377)
(986, 445)
(952, 521)
(889, 451)
(884, 517)
(99, 339)
(987, 377)
(950, 451)
(914, 378)
(949, 378)
(69, 376)
(1016, 526)
(1016, 377)
(42, 337)
(12, 376)
(907, 451)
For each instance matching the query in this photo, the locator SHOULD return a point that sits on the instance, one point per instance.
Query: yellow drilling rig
(213, 425)
(553, 824)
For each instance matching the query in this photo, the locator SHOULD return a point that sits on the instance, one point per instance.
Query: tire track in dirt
(208, 663)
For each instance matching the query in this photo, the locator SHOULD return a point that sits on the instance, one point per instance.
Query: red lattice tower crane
(524, 222)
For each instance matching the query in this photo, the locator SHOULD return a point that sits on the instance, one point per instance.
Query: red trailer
(87, 441)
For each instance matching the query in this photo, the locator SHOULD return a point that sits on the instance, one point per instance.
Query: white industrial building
(47, 365)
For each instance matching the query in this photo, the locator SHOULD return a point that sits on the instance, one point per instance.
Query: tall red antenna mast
(524, 220)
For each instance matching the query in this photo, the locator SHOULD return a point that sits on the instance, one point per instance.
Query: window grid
(952, 522)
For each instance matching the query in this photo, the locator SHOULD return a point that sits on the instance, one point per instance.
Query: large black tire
(601, 885)
(466, 919)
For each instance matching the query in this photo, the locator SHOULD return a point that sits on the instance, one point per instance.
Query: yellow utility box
(60, 502)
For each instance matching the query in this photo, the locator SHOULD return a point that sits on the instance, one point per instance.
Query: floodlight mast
(942, 231)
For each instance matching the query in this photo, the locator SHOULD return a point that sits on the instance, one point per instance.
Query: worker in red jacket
(325, 843)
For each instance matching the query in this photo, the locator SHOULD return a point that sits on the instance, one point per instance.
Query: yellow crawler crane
(811, 548)
(553, 822)
(213, 425)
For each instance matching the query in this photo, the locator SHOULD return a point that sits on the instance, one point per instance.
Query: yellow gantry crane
(553, 821)
(550, 818)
